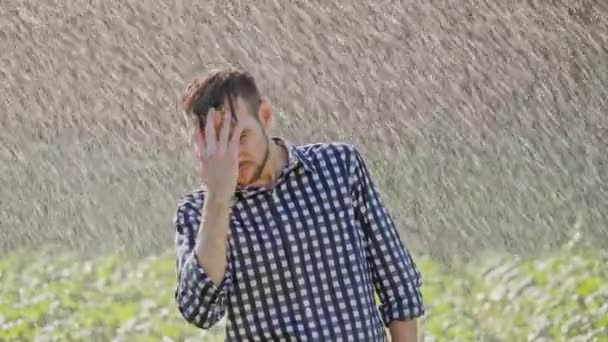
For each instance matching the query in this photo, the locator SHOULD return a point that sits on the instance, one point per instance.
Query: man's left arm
(395, 275)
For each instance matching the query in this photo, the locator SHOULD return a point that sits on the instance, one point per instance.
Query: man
(291, 242)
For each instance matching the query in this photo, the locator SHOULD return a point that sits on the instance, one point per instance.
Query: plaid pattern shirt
(304, 259)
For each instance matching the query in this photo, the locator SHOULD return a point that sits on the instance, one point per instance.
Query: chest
(293, 226)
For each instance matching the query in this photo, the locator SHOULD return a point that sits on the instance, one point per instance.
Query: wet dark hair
(216, 89)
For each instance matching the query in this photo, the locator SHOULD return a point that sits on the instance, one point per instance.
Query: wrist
(218, 200)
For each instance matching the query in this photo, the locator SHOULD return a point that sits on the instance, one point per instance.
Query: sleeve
(394, 273)
(200, 301)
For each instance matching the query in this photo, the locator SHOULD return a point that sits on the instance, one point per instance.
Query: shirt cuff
(198, 286)
(407, 308)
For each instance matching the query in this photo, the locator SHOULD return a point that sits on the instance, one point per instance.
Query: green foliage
(66, 298)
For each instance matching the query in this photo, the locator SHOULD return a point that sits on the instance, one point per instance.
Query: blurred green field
(50, 297)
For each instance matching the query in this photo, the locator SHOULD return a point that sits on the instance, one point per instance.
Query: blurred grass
(64, 297)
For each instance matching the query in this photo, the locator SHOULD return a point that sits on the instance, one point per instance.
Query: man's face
(254, 148)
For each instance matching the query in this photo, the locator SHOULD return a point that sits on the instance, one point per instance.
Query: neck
(277, 158)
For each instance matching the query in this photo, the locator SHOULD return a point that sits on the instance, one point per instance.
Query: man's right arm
(203, 274)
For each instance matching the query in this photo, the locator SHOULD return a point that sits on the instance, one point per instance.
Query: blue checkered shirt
(304, 259)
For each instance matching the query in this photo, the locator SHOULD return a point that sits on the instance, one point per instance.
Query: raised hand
(218, 155)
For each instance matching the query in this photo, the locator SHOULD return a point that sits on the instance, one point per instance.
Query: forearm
(202, 269)
(212, 238)
(403, 331)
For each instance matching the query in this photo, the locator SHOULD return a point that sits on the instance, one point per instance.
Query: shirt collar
(296, 161)
(296, 157)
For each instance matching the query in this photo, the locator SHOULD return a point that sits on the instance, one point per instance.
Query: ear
(265, 113)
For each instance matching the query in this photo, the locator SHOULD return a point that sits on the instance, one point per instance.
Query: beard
(258, 169)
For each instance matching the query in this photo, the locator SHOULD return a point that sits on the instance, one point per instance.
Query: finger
(225, 130)
(199, 142)
(196, 126)
(235, 140)
(196, 137)
(202, 162)
(210, 135)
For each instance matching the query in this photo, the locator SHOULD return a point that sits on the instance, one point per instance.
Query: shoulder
(330, 152)
(188, 208)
